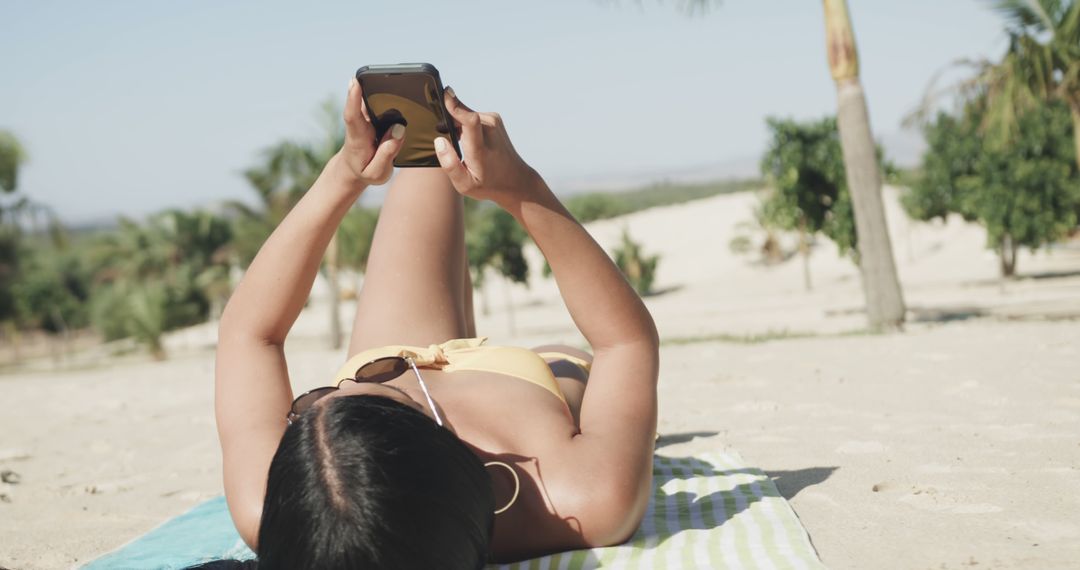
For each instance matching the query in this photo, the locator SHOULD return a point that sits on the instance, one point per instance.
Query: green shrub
(639, 269)
(595, 206)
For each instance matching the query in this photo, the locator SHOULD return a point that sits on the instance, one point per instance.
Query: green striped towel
(707, 512)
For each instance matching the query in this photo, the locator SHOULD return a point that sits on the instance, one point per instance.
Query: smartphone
(410, 94)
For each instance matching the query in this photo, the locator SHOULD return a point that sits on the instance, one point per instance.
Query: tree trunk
(804, 249)
(157, 350)
(331, 259)
(881, 287)
(16, 341)
(1007, 250)
(62, 337)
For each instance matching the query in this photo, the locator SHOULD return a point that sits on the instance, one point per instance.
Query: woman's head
(368, 482)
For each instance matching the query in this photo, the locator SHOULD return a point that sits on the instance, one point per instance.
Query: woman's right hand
(492, 169)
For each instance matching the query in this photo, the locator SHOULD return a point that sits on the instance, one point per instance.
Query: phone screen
(414, 100)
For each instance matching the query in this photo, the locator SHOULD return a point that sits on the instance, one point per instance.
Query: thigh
(412, 290)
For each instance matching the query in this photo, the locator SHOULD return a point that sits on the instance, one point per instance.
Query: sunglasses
(377, 371)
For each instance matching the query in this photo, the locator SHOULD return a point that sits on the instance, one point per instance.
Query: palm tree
(884, 300)
(1042, 63)
(881, 286)
(287, 172)
(201, 242)
(170, 271)
(12, 156)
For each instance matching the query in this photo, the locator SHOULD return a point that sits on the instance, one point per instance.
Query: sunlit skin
(584, 465)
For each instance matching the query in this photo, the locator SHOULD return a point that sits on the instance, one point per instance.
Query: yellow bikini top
(471, 354)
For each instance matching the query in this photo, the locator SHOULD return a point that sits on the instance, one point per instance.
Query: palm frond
(1042, 63)
(980, 74)
(1027, 15)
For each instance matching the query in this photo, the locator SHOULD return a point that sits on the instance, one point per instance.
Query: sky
(133, 107)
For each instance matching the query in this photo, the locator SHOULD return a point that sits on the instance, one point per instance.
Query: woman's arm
(252, 392)
(618, 411)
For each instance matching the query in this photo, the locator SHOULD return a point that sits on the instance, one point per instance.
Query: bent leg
(413, 287)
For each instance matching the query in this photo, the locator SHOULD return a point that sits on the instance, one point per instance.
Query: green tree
(493, 239)
(1026, 193)
(12, 156)
(955, 155)
(805, 163)
(1042, 64)
(41, 285)
(52, 291)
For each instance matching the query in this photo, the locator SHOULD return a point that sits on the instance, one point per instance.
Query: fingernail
(397, 131)
(450, 90)
(440, 145)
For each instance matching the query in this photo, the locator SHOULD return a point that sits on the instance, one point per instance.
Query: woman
(406, 465)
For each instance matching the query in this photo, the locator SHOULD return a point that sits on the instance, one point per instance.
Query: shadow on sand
(663, 291)
(946, 314)
(674, 438)
(789, 483)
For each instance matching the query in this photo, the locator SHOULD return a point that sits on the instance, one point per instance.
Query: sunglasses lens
(382, 370)
(304, 402)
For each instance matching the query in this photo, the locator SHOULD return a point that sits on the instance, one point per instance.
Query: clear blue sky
(132, 107)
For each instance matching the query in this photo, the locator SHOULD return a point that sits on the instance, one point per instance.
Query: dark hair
(368, 482)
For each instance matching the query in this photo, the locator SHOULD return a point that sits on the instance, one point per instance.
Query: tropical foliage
(809, 194)
(154, 277)
(12, 156)
(758, 235)
(1026, 193)
(639, 268)
(52, 291)
(805, 166)
(493, 239)
(1042, 64)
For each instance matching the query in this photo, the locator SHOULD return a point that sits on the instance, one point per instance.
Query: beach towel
(710, 511)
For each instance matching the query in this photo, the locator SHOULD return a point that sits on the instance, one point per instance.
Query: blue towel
(204, 533)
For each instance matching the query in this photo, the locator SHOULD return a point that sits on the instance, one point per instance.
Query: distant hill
(904, 148)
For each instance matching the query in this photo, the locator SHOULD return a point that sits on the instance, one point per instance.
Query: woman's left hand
(370, 164)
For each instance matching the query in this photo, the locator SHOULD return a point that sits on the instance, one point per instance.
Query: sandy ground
(953, 445)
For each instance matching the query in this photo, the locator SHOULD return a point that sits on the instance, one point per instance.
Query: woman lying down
(431, 448)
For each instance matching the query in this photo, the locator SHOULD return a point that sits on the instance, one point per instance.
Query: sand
(952, 445)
